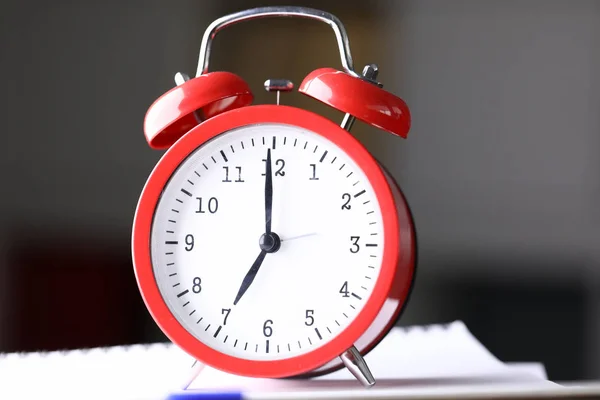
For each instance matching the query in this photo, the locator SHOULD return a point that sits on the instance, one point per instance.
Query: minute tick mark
(348, 176)
(223, 155)
(197, 174)
(217, 331)
(323, 156)
(190, 182)
(215, 161)
(205, 167)
(318, 334)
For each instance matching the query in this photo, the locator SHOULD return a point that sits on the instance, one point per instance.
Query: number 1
(314, 173)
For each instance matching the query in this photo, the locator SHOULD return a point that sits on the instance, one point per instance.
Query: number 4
(344, 289)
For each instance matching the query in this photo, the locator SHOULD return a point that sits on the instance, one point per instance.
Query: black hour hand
(250, 276)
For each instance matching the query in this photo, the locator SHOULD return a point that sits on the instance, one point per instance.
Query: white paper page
(419, 358)
(409, 357)
(125, 372)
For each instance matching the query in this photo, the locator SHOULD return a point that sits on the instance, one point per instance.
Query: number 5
(309, 317)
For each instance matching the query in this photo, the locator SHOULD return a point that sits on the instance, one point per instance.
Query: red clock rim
(152, 191)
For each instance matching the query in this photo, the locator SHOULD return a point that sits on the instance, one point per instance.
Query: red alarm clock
(267, 241)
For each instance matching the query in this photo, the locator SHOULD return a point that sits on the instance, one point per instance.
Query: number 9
(189, 241)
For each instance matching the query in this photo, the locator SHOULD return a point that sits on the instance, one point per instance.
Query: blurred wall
(502, 169)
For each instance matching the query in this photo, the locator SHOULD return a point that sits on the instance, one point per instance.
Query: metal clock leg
(369, 73)
(357, 365)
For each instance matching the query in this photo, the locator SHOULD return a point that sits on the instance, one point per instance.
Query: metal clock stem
(357, 365)
(278, 85)
(180, 79)
(370, 74)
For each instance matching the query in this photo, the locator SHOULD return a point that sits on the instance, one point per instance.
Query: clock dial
(211, 217)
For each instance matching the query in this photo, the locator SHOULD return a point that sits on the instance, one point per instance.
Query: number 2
(346, 198)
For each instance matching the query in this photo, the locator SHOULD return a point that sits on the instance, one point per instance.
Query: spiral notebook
(440, 361)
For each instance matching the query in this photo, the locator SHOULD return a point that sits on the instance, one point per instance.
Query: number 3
(355, 247)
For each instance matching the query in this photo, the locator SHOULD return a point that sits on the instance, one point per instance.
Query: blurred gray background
(501, 168)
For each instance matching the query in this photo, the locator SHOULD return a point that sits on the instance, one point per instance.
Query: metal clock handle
(279, 11)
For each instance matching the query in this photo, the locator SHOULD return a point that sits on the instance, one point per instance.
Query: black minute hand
(268, 194)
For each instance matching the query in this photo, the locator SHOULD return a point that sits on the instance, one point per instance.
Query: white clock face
(208, 224)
